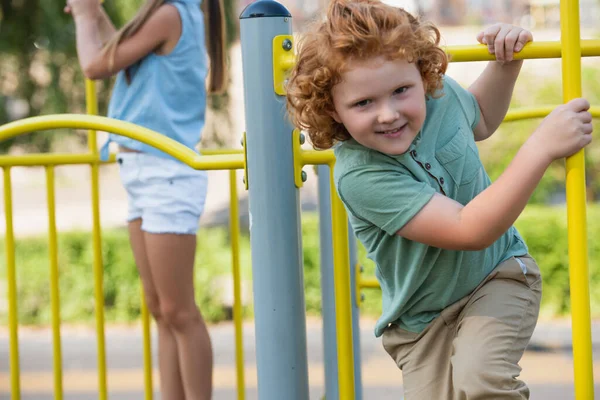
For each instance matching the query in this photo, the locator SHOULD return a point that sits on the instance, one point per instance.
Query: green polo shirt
(382, 193)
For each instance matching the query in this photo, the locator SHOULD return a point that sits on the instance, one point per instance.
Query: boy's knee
(470, 375)
(476, 376)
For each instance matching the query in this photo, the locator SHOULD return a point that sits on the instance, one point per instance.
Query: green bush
(122, 290)
(544, 230)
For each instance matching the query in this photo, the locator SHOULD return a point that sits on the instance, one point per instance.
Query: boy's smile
(381, 103)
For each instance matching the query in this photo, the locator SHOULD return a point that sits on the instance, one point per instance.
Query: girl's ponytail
(215, 43)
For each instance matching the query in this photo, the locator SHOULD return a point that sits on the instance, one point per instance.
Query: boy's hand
(566, 130)
(504, 39)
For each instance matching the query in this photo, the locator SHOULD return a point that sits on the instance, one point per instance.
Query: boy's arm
(494, 87)
(493, 91)
(447, 224)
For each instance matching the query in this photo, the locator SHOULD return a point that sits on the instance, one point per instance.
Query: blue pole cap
(264, 9)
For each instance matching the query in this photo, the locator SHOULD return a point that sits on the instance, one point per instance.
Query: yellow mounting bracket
(245, 161)
(283, 61)
(297, 142)
(358, 272)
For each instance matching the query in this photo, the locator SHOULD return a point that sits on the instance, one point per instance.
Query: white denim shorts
(167, 195)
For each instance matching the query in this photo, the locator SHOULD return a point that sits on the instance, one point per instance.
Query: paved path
(547, 367)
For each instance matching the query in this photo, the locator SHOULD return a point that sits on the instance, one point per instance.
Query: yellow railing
(209, 160)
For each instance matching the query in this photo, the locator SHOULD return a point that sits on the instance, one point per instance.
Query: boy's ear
(335, 117)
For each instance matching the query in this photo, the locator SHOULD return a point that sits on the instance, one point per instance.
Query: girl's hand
(78, 8)
(504, 39)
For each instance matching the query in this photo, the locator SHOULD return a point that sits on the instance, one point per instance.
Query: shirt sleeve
(386, 198)
(467, 101)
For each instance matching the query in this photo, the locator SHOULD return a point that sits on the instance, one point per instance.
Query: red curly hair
(355, 30)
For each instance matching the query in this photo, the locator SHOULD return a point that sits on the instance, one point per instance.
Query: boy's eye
(401, 90)
(362, 103)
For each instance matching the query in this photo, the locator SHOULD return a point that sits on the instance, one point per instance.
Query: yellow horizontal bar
(539, 112)
(91, 122)
(479, 52)
(317, 157)
(28, 160)
(369, 283)
(214, 152)
(216, 162)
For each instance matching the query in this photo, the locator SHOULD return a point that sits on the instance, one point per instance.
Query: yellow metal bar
(91, 102)
(148, 387)
(343, 302)
(92, 122)
(539, 112)
(54, 285)
(11, 277)
(208, 162)
(218, 162)
(370, 283)
(576, 212)
(28, 160)
(215, 152)
(234, 228)
(98, 270)
(479, 52)
(317, 157)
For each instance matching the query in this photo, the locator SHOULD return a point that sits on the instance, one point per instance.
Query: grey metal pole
(355, 314)
(328, 293)
(327, 285)
(275, 234)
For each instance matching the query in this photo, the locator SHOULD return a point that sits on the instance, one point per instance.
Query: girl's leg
(171, 260)
(168, 358)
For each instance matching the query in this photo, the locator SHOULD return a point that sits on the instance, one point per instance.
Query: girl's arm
(161, 30)
(105, 26)
(447, 224)
(494, 87)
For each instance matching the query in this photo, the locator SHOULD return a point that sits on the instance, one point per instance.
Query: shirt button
(428, 166)
(442, 181)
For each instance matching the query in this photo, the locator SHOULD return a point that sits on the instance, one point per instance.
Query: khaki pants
(472, 350)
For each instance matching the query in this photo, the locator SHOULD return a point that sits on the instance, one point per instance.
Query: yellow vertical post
(54, 283)
(234, 228)
(343, 303)
(576, 211)
(148, 387)
(13, 320)
(92, 109)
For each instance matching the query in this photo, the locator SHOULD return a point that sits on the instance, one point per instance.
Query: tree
(39, 72)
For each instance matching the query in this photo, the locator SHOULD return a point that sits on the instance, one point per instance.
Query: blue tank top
(167, 93)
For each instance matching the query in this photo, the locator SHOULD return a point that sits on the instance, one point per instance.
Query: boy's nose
(387, 114)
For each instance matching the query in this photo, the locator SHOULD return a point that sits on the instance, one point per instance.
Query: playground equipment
(272, 161)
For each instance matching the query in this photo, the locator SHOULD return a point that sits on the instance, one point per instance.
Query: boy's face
(381, 103)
